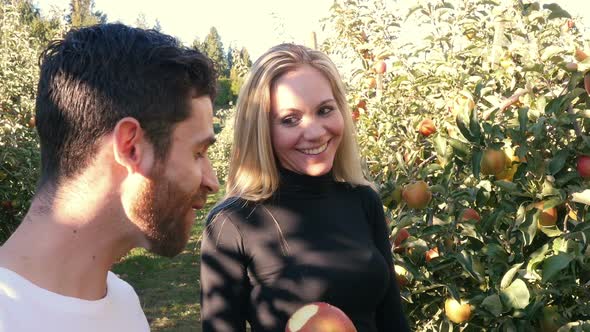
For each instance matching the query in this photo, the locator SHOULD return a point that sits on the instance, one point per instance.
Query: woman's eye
(289, 121)
(325, 110)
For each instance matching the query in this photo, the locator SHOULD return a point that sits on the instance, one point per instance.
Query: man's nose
(210, 180)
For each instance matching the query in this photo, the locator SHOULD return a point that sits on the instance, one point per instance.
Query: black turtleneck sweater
(314, 240)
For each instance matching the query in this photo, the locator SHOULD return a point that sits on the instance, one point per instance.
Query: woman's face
(306, 124)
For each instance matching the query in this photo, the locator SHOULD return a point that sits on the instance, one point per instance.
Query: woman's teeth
(317, 150)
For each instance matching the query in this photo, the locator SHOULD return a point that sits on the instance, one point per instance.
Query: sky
(255, 24)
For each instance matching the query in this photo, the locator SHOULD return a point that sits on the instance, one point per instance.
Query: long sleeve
(224, 283)
(389, 314)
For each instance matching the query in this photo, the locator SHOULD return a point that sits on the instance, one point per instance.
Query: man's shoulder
(120, 289)
(12, 284)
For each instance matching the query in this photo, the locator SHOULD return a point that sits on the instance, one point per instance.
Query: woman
(300, 223)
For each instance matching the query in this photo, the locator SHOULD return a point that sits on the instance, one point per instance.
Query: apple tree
(19, 148)
(478, 138)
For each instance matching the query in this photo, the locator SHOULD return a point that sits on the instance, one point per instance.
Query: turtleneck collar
(295, 183)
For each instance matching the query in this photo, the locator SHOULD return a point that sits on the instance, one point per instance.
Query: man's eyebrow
(207, 141)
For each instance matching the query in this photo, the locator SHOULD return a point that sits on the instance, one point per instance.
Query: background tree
(82, 14)
(213, 47)
(230, 58)
(141, 21)
(157, 26)
(22, 34)
(197, 44)
(239, 70)
(42, 29)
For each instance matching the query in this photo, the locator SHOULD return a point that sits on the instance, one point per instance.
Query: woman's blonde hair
(253, 172)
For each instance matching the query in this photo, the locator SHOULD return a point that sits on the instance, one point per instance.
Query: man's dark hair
(100, 74)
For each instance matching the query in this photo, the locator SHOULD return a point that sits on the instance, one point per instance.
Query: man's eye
(199, 155)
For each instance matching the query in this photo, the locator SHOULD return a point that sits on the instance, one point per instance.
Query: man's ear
(131, 149)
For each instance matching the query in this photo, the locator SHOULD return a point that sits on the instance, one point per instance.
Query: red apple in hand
(319, 317)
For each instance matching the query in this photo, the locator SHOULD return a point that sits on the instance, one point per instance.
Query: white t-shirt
(26, 307)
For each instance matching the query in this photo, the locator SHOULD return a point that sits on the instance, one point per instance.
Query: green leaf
(437, 188)
(464, 258)
(507, 185)
(554, 264)
(474, 127)
(471, 231)
(564, 178)
(440, 145)
(462, 124)
(516, 295)
(582, 197)
(523, 118)
(495, 252)
(476, 162)
(434, 229)
(552, 231)
(554, 105)
(529, 227)
(536, 258)
(509, 276)
(460, 148)
(493, 304)
(550, 51)
(558, 161)
(559, 245)
(575, 93)
(413, 10)
(556, 11)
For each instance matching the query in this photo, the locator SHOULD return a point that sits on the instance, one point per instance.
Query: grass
(168, 287)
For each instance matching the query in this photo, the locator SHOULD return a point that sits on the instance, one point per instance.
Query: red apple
(426, 127)
(380, 67)
(7, 205)
(580, 55)
(584, 166)
(587, 82)
(319, 317)
(571, 66)
(362, 104)
(401, 236)
(417, 195)
(457, 312)
(547, 217)
(431, 254)
(402, 275)
(470, 214)
(355, 115)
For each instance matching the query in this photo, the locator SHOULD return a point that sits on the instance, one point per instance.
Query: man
(124, 117)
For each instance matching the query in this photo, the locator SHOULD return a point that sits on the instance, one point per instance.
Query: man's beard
(162, 209)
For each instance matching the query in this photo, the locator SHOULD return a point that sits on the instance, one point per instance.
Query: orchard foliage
(19, 150)
(502, 85)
